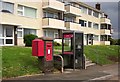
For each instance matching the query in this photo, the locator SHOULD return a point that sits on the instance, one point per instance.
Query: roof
(84, 5)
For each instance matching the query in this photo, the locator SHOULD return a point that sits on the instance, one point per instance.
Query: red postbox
(43, 49)
(38, 47)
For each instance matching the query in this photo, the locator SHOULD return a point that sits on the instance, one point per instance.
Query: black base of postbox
(44, 66)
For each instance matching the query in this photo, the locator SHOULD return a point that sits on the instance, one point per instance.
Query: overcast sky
(110, 8)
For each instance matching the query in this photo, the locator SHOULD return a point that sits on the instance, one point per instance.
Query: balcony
(105, 32)
(72, 10)
(53, 5)
(112, 31)
(96, 42)
(53, 23)
(26, 22)
(105, 42)
(72, 26)
(105, 20)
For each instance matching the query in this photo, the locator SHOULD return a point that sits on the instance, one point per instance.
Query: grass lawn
(17, 61)
(102, 54)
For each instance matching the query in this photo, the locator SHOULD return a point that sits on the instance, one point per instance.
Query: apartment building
(49, 18)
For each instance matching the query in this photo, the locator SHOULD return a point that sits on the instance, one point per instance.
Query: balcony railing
(26, 22)
(53, 23)
(105, 20)
(105, 32)
(70, 9)
(72, 25)
(105, 42)
(53, 4)
(112, 31)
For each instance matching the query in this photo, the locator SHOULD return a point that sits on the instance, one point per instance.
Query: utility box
(43, 49)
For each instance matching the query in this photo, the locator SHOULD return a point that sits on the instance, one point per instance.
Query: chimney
(97, 6)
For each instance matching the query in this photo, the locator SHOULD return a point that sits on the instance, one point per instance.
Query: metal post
(62, 62)
(74, 49)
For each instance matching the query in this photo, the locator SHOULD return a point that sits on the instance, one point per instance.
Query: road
(91, 73)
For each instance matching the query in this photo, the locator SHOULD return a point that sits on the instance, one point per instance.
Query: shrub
(112, 41)
(28, 39)
(118, 42)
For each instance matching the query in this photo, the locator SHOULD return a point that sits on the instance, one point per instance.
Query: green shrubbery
(28, 39)
(114, 41)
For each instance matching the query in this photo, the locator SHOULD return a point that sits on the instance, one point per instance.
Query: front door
(9, 35)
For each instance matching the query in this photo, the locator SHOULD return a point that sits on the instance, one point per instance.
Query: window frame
(30, 31)
(23, 11)
(7, 11)
(96, 38)
(84, 23)
(90, 25)
(46, 33)
(20, 30)
(89, 11)
(83, 9)
(94, 25)
(95, 14)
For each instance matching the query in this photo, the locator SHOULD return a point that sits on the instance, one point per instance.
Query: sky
(110, 8)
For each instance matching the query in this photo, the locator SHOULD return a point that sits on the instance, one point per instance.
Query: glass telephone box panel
(68, 46)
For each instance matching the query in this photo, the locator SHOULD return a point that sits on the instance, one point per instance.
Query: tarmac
(92, 73)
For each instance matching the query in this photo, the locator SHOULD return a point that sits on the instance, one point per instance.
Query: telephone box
(72, 49)
(43, 49)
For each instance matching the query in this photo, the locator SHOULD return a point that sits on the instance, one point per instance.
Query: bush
(118, 42)
(57, 44)
(28, 39)
(112, 41)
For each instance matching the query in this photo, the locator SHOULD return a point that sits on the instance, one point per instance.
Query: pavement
(96, 72)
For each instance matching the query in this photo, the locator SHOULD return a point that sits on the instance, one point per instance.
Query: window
(30, 12)
(9, 32)
(56, 35)
(96, 14)
(26, 11)
(7, 7)
(89, 24)
(95, 25)
(103, 38)
(19, 32)
(29, 31)
(51, 33)
(103, 26)
(84, 10)
(83, 23)
(1, 31)
(69, 19)
(1, 42)
(51, 15)
(1, 35)
(96, 37)
(89, 12)
(61, 0)
(20, 10)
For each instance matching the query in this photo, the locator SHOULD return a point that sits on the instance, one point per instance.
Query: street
(91, 73)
